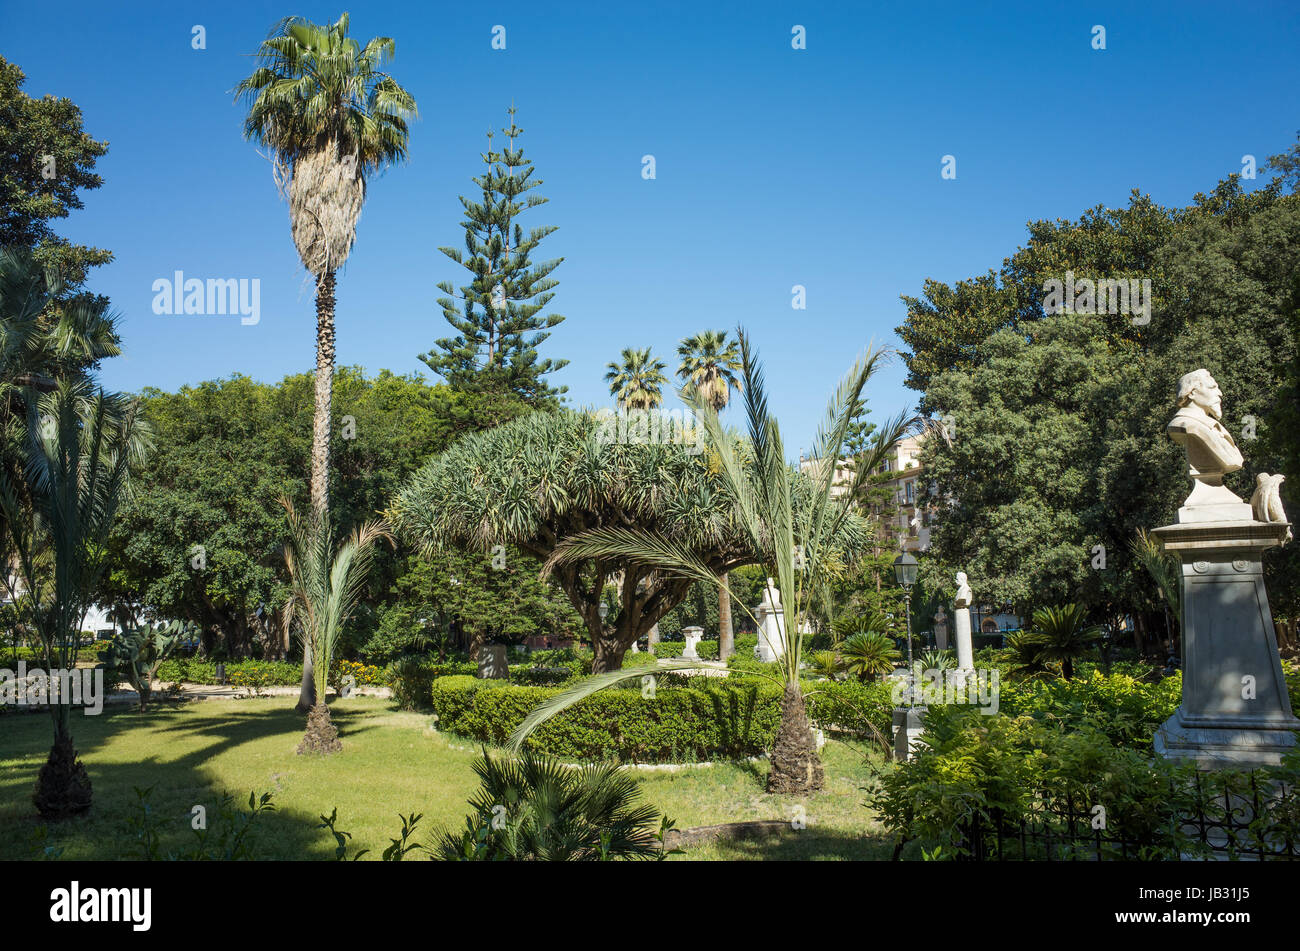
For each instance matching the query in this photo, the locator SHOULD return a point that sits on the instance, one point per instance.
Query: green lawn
(391, 762)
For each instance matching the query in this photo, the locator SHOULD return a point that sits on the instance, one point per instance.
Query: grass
(391, 762)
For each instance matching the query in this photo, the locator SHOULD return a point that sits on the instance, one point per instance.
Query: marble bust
(1211, 451)
(964, 596)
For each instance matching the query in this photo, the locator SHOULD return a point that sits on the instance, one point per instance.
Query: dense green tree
(476, 598)
(498, 316)
(227, 451)
(1059, 444)
(545, 478)
(48, 161)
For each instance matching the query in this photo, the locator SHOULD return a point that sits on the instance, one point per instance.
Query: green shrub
(1127, 710)
(678, 724)
(863, 709)
(266, 673)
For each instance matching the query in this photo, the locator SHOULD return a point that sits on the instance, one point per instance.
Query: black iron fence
(1215, 817)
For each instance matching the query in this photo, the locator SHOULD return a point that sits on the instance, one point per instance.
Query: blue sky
(775, 167)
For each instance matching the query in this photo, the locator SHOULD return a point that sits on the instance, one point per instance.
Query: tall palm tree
(1062, 634)
(801, 530)
(637, 382)
(320, 102)
(710, 363)
(324, 588)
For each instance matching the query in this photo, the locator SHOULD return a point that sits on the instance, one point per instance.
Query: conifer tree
(498, 315)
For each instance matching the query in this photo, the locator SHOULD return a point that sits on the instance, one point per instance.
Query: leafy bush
(366, 675)
(267, 673)
(1127, 710)
(676, 724)
(979, 772)
(852, 706)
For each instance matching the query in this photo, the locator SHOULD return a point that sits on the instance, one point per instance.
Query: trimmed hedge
(708, 650)
(85, 655)
(265, 673)
(678, 724)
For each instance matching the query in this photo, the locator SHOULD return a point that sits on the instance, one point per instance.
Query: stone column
(692, 635)
(961, 625)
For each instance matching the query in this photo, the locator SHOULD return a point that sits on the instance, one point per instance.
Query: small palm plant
(138, 652)
(536, 808)
(1026, 656)
(870, 655)
(324, 588)
(798, 528)
(826, 664)
(1062, 634)
(938, 660)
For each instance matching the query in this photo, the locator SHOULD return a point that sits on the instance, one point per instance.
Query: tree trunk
(796, 767)
(320, 440)
(321, 736)
(62, 786)
(726, 637)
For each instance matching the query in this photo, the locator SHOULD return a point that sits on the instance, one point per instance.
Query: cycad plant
(826, 664)
(801, 531)
(1062, 634)
(324, 588)
(331, 117)
(870, 655)
(1026, 656)
(537, 809)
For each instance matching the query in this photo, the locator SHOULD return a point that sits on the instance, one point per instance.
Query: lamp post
(905, 574)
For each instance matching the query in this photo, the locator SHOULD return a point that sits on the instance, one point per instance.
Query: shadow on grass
(782, 842)
(178, 784)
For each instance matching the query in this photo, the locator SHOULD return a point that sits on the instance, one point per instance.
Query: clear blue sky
(775, 167)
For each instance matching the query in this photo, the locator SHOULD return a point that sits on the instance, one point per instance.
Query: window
(911, 492)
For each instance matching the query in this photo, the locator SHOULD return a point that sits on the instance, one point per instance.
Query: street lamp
(603, 611)
(905, 574)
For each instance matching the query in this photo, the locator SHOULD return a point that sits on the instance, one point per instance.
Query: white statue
(961, 627)
(772, 594)
(1266, 503)
(1211, 451)
(964, 596)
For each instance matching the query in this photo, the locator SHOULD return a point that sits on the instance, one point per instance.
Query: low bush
(851, 706)
(266, 673)
(675, 724)
(1126, 709)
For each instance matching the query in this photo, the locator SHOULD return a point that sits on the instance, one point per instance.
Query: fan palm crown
(637, 381)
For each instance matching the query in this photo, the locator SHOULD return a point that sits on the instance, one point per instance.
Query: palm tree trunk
(320, 439)
(726, 637)
(796, 767)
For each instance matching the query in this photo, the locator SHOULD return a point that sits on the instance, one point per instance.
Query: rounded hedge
(675, 724)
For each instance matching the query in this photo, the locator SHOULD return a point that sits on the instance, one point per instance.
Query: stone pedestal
(909, 724)
(1235, 710)
(492, 662)
(771, 633)
(693, 636)
(965, 653)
